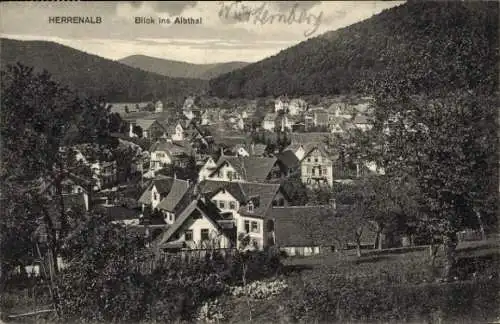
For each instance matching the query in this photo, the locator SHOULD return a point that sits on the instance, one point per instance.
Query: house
(341, 110)
(207, 168)
(337, 124)
(283, 122)
(156, 191)
(362, 122)
(281, 104)
(150, 128)
(198, 226)
(121, 215)
(125, 108)
(316, 117)
(297, 149)
(250, 149)
(302, 230)
(247, 204)
(316, 167)
(269, 122)
(76, 191)
(166, 152)
(308, 230)
(176, 200)
(104, 173)
(297, 106)
(159, 106)
(249, 168)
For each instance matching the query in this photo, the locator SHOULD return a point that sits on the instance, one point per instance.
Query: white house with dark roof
(281, 104)
(151, 128)
(249, 168)
(297, 106)
(269, 122)
(158, 106)
(207, 168)
(308, 230)
(177, 199)
(316, 167)
(166, 152)
(248, 204)
(168, 195)
(198, 226)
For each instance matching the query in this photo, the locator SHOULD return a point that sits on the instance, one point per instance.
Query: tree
(445, 142)
(137, 130)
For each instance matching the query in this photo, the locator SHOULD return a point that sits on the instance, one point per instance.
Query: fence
(469, 235)
(147, 264)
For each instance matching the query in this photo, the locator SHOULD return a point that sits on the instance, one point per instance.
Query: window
(232, 205)
(316, 159)
(247, 226)
(281, 202)
(222, 204)
(204, 234)
(155, 196)
(250, 207)
(255, 228)
(230, 175)
(308, 159)
(275, 203)
(188, 235)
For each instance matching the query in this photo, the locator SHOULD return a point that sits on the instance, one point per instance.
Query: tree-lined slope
(93, 75)
(178, 69)
(432, 45)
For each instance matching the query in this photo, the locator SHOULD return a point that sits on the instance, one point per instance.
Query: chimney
(333, 204)
(221, 151)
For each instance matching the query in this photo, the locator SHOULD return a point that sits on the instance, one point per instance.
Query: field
(386, 286)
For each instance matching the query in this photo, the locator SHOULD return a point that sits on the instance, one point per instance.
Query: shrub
(358, 300)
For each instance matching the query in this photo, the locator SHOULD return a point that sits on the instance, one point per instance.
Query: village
(201, 182)
(245, 170)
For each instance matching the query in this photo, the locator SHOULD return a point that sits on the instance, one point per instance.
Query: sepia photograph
(249, 162)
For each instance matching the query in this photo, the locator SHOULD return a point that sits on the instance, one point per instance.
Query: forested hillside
(93, 75)
(177, 69)
(430, 45)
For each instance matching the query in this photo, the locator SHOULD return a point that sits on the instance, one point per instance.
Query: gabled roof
(313, 147)
(178, 190)
(262, 193)
(145, 124)
(118, 213)
(250, 168)
(162, 184)
(210, 188)
(289, 159)
(307, 138)
(173, 148)
(252, 149)
(207, 209)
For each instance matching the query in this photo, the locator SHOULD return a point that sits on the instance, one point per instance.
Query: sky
(230, 31)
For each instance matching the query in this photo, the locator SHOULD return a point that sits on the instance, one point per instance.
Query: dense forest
(177, 69)
(432, 45)
(91, 75)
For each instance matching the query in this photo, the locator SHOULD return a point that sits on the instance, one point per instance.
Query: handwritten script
(237, 11)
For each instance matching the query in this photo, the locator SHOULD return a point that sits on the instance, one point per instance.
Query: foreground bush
(105, 281)
(361, 301)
